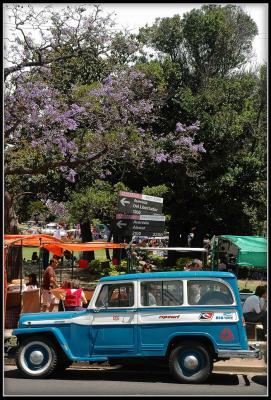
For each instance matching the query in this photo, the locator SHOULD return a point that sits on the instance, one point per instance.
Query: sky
(134, 15)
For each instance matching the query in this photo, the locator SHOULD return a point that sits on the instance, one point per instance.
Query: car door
(113, 330)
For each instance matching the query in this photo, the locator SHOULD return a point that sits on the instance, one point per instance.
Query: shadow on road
(129, 375)
(260, 379)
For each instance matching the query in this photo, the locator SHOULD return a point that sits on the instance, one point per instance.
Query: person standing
(147, 267)
(74, 297)
(254, 308)
(49, 282)
(32, 282)
(196, 265)
(57, 234)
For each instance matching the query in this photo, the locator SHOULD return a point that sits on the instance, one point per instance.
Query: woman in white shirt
(32, 282)
(254, 308)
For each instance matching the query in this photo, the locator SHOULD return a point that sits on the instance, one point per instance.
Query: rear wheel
(36, 357)
(190, 362)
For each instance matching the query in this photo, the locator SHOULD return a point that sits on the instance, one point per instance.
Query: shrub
(95, 267)
(158, 261)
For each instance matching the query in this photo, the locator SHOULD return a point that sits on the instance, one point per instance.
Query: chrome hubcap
(191, 362)
(36, 357)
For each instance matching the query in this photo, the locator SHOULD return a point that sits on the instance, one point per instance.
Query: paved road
(119, 381)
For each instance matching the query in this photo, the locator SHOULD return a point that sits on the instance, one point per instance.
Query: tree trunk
(14, 256)
(10, 218)
(107, 252)
(177, 228)
(87, 237)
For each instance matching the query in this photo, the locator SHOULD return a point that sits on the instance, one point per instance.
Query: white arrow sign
(120, 224)
(124, 201)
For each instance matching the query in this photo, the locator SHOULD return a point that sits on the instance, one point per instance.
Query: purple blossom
(161, 157)
(180, 127)
(176, 159)
(185, 140)
(71, 176)
(194, 127)
(198, 148)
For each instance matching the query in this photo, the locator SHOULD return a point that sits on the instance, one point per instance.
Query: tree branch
(19, 170)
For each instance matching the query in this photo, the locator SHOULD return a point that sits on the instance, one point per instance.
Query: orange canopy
(56, 246)
(29, 240)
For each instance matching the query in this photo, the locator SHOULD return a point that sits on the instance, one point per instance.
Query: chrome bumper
(253, 352)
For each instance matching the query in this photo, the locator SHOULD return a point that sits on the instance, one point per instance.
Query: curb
(247, 369)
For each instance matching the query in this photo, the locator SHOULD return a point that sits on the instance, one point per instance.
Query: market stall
(17, 300)
(239, 251)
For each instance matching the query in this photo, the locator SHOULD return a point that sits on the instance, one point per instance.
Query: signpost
(140, 225)
(139, 215)
(140, 204)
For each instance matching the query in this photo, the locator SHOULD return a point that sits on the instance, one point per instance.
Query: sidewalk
(237, 365)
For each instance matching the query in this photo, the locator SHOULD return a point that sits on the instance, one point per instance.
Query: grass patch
(251, 285)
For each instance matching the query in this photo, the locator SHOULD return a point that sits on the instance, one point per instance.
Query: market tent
(29, 240)
(57, 248)
(251, 250)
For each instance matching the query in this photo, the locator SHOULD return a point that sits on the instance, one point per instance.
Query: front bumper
(253, 352)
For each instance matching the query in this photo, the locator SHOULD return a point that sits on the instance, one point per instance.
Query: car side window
(116, 295)
(204, 292)
(161, 293)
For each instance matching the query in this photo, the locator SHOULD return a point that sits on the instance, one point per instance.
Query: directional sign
(140, 225)
(135, 203)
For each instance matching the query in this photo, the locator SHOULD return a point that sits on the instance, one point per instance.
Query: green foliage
(218, 38)
(98, 201)
(95, 267)
(158, 191)
(159, 261)
(182, 262)
(37, 207)
(197, 76)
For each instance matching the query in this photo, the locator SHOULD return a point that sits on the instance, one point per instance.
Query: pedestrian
(254, 308)
(32, 282)
(57, 233)
(75, 297)
(35, 258)
(49, 282)
(196, 265)
(147, 267)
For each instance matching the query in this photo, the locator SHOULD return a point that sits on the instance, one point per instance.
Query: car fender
(191, 335)
(55, 331)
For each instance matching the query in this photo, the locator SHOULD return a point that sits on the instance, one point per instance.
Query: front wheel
(36, 357)
(190, 362)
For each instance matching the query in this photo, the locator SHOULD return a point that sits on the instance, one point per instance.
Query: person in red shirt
(74, 297)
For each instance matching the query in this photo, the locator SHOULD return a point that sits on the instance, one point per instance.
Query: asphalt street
(134, 382)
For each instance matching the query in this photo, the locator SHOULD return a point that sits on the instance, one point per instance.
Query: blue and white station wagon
(188, 319)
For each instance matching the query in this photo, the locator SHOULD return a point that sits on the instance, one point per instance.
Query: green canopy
(252, 250)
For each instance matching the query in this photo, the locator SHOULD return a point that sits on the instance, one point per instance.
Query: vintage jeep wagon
(188, 319)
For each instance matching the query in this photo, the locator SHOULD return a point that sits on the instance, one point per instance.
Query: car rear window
(205, 292)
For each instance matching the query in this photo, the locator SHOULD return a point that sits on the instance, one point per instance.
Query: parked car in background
(52, 227)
